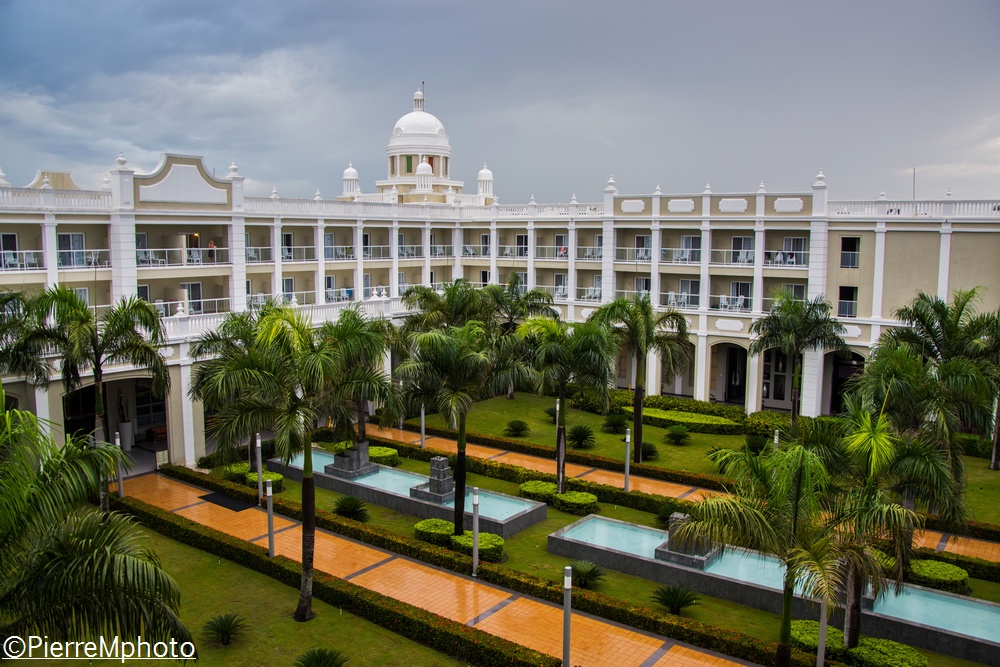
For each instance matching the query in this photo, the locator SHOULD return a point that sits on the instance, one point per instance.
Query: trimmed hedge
(942, 576)
(873, 652)
(536, 489)
(490, 545)
(434, 531)
(277, 480)
(450, 637)
(731, 412)
(764, 423)
(730, 642)
(237, 472)
(694, 422)
(976, 567)
(577, 502)
(977, 529)
(386, 456)
(805, 636)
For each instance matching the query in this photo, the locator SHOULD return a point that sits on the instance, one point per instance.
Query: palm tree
(774, 507)
(794, 326)
(457, 303)
(277, 379)
(130, 332)
(451, 369)
(582, 353)
(66, 570)
(22, 340)
(641, 329)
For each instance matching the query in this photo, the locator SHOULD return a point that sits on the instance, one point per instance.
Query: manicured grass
(491, 417)
(211, 586)
(982, 490)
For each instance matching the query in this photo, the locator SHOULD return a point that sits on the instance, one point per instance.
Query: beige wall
(911, 264)
(975, 262)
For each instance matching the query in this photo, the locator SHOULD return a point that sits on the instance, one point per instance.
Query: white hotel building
(197, 247)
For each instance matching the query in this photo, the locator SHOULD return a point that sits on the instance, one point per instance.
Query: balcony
(680, 255)
(339, 253)
(635, 255)
(298, 253)
(339, 294)
(588, 294)
(557, 292)
(84, 259)
(630, 294)
(377, 252)
(411, 252)
(475, 251)
(511, 251)
(442, 251)
(22, 260)
(726, 302)
(680, 300)
(192, 306)
(768, 303)
(787, 259)
(590, 253)
(259, 255)
(732, 257)
(156, 257)
(847, 309)
(551, 252)
(850, 260)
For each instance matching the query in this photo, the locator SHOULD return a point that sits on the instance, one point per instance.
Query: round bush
(649, 452)
(756, 443)
(490, 545)
(872, 652)
(321, 657)
(615, 423)
(224, 628)
(581, 436)
(935, 574)
(435, 531)
(237, 472)
(543, 492)
(587, 574)
(677, 435)
(577, 502)
(805, 636)
(516, 428)
(386, 456)
(675, 598)
(551, 412)
(277, 481)
(351, 507)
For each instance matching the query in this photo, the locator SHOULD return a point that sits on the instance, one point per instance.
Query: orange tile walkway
(527, 621)
(965, 546)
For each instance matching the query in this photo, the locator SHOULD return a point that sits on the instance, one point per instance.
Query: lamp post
(628, 455)
(118, 468)
(560, 452)
(270, 522)
(776, 433)
(567, 613)
(423, 442)
(260, 474)
(475, 530)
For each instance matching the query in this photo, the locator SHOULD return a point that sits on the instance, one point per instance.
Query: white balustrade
(21, 260)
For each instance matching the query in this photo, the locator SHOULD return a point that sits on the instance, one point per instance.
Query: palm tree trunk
(640, 368)
(852, 615)
(995, 459)
(783, 656)
(304, 611)
(510, 392)
(795, 390)
(460, 478)
(561, 441)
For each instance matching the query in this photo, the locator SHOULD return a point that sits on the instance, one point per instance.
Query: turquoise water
(637, 540)
(399, 482)
(966, 616)
(749, 566)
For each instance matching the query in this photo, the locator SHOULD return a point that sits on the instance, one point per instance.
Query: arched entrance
(837, 370)
(728, 374)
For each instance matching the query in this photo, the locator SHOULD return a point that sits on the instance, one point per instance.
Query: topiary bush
(577, 502)
(435, 531)
(543, 492)
(615, 423)
(695, 422)
(805, 636)
(551, 412)
(581, 436)
(675, 598)
(237, 472)
(764, 422)
(386, 456)
(677, 435)
(649, 452)
(517, 428)
(587, 575)
(321, 657)
(224, 628)
(277, 481)
(873, 652)
(942, 576)
(490, 545)
(324, 434)
(351, 507)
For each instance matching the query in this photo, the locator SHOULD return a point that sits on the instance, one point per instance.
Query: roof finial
(121, 159)
(760, 188)
(3, 179)
(657, 191)
(708, 188)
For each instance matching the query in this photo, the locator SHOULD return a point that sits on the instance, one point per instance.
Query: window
(71, 250)
(850, 252)
(193, 291)
(523, 276)
(401, 278)
(795, 249)
(8, 242)
(742, 250)
(562, 246)
(643, 285)
(409, 164)
(432, 281)
(83, 293)
(797, 290)
(690, 292)
(848, 302)
(643, 243)
(142, 291)
(690, 249)
(521, 241)
(149, 410)
(484, 277)
(330, 282)
(366, 285)
(328, 243)
(141, 241)
(740, 295)
(484, 245)
(287, 287)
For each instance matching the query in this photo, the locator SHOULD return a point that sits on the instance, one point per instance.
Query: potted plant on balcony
(124, 422)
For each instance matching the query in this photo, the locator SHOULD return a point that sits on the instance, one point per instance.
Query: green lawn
(491, 417)
(982, 490)
(211, 586)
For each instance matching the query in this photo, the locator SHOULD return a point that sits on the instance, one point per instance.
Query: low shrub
(971, 444)
(543, 492)
(277, 480)
(334, 447)
(351, 507)
(976, 567)
(435, 531)
(677, 435)
(386, 456)
(577, 502)
(324, 434)
(589, 401)
(755, 444)
(551, 412)
(942, 576)
(805, 636)
(695, 422)
(517, 428)
(321, 657)
(222, 629)
(873, 652)
(490, 545)
(237, 472)
(615, 423)
(581, 436)
(650, 452)
(731, 412)
(764, 423)
(675, 598)
(587, 575)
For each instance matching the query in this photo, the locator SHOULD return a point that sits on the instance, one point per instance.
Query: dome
(350, 172)
(485, 174)
(418, 122)
(424, 169)
(419, 132)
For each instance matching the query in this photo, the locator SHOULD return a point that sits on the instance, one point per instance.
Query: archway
(837, 371)
(728, 374)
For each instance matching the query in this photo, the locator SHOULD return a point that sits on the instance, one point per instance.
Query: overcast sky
(555, 96)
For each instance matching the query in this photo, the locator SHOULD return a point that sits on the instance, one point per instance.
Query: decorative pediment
(182, 180)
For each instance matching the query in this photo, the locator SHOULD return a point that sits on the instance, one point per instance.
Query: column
(811, 394)
(654, 373)
(42, 407)
(121, 250)
(187, 414)
(879, 274)
(944, 260)
(50, 250)
(610, 243)
(758, 265)
(457, 270)
(701, 368)
(819, 251)
(426, 278)
(574, 242)
(394, 253)
(494, 249)
(753, 383)
(237, 243)
(704, 277)
(531, 282)
(276, 254)
(319, 273)
(359, 266)
(654, 260)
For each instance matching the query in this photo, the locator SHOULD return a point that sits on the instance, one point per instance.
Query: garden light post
(260, 473)
(628, 454)
(475, 530)
(560, 453)
(567, 613)
(118, 468)
(270, 522)
(776, 433)
(423, 442)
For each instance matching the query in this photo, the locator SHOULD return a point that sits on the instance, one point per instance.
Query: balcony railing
(680, 300)
(630, 294)
(732, 257)
(338, 253)
(339, 294)
(850, 260)
(442, 251)
(411, 252)
(192, 306)
(509, 251)
(638, 255)
(259, 255)
(551, 252)
(588, 293)
(180, 256)
(768, 303)
(681, 255)
(590, 253)
(377, 252)
(475, 251)
(847, 309)
(298, 253)
(788, 259)
(299, 298)
(84, 259)
(558, 292)
(21, 260)
(728, 302)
